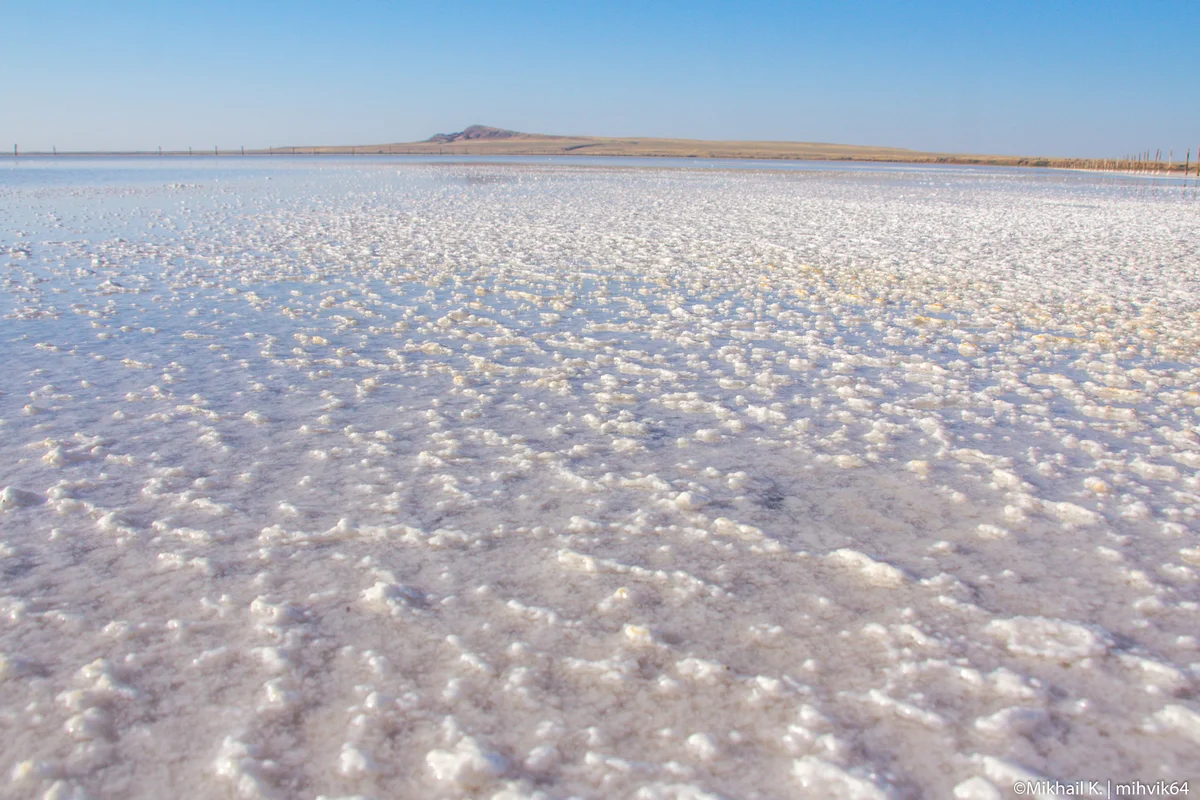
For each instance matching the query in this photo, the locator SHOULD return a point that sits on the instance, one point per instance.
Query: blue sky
(1052, 78)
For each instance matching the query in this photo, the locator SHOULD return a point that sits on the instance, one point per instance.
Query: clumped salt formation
(367, 479)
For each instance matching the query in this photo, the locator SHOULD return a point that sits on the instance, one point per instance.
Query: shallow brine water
(397, 478)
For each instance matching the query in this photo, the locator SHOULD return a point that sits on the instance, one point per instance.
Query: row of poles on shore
(1142, 163)
(273, 151)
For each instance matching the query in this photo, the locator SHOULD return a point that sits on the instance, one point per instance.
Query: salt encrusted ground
(357, 479)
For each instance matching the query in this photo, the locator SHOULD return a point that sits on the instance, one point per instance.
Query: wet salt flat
(369, 478)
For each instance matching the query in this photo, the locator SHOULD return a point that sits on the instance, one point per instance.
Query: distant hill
(487, 140)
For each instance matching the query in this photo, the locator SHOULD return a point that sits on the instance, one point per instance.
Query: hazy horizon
(1029, 79)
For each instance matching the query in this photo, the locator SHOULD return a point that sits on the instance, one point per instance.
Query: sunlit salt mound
(12, 498)
(379, 479)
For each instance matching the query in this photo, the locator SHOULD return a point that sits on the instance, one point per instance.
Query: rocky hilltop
(473, 133)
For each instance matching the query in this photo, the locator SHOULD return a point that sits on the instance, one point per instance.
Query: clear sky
(1036, 78)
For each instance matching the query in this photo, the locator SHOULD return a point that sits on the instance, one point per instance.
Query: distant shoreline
(536, 145)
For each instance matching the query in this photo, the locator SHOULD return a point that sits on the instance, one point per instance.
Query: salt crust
(351, 480)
